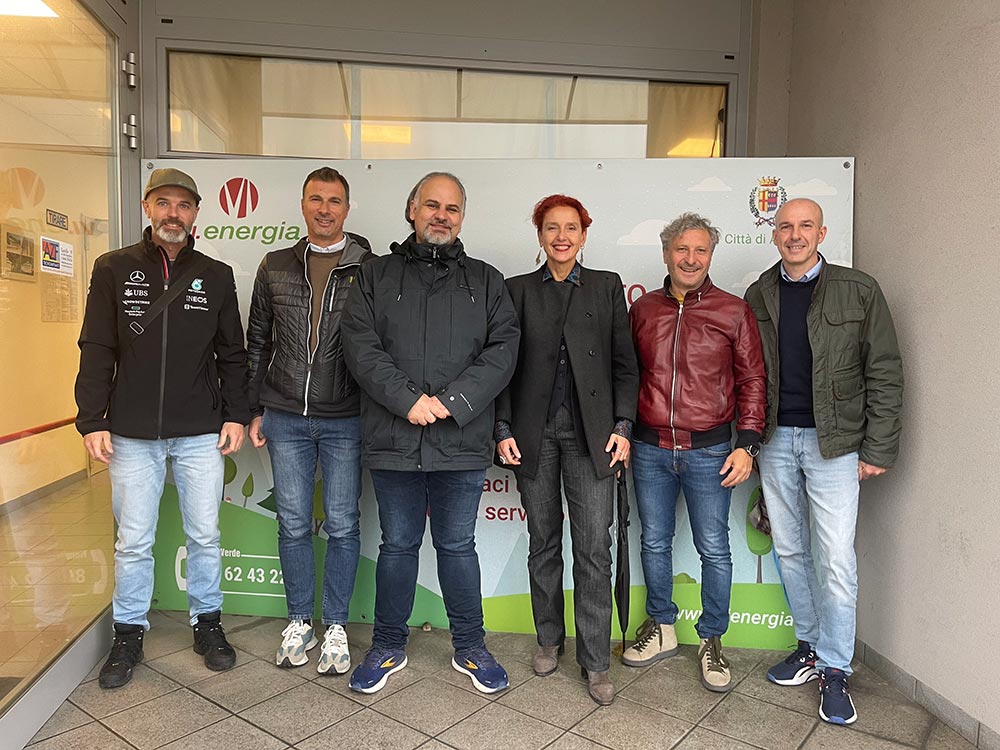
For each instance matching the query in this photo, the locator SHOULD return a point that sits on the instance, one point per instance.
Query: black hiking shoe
(126, 654)
(210, 642)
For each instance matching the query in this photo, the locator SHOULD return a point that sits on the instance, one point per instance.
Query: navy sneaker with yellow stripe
(371, 675)
(486, 673)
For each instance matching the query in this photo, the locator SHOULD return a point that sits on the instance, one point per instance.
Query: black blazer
(599, 341)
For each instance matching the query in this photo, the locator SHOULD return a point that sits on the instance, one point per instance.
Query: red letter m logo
(238, 197)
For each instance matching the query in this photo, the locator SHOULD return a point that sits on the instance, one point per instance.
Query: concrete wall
(770, 77)
(909, 88)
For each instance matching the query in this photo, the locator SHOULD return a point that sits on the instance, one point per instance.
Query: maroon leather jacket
(700, 364)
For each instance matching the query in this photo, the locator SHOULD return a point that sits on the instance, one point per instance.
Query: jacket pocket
(475, 435)
(849, 400)
(212, 388)
(379, 430)
(843, 334)
(841, 316)
(468, 327)
(400, 322)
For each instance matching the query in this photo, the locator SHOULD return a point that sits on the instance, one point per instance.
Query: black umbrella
(622, 586)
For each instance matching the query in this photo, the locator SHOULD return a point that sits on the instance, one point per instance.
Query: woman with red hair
(563, 425)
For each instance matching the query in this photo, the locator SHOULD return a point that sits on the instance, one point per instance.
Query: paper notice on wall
(60, 298)
(57, 256)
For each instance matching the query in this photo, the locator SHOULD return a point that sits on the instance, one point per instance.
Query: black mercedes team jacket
(284, 374)
(186, 374)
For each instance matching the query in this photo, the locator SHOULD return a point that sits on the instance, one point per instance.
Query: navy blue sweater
(795, 395)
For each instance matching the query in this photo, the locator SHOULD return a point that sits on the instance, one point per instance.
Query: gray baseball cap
(171, 178)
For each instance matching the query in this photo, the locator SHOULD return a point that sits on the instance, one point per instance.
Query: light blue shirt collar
(809, 275)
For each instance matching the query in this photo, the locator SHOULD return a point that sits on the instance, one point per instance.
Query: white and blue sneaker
(334, 654)
(371, 675)
(798, 669)
(835, 704)
(296, 640)
(486, 673)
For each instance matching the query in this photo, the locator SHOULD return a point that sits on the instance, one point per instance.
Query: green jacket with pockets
(857, 369)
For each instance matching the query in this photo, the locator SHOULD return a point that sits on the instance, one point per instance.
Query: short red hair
(555, 201)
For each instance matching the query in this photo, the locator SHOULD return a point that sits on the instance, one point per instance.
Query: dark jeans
(405, 500)
(590, 502)
(295, 444)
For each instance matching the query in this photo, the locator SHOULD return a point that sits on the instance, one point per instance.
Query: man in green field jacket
(835, 393)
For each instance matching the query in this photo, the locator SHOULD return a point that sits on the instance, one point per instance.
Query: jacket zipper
(309, 359)
(319, 329)
(163, 353)
(319, 325)
(673, 380)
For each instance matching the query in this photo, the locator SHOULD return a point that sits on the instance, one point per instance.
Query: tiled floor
(56, 577)
(174, 702)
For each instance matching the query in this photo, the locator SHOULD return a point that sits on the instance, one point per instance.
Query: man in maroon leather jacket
(700, 367)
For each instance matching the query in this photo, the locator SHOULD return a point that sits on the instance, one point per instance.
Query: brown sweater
(320, 266)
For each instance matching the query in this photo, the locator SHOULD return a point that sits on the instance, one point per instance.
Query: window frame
(157, 129)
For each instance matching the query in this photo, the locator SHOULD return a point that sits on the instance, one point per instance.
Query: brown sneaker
(546, 659)
(715, 675)
(599, 686)
(653, 642)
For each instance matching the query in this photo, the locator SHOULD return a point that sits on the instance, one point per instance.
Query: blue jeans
(405, 500)
(659, 475)
(813, 505)
(295, 444)
(138, 470)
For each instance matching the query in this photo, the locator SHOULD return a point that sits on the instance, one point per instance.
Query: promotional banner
(251, 207)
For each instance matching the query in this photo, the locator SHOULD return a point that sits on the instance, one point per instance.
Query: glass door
(61, 166)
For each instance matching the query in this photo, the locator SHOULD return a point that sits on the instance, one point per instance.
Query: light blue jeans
(138, 470)
(813, 505)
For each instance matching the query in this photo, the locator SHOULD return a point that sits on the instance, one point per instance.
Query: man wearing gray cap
(163, 377)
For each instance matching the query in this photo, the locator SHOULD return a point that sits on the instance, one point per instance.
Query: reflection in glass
(58, 167)
(228, 104)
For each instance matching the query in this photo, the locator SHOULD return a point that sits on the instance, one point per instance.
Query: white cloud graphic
(710, 185)
(811, 187)
(644, 233)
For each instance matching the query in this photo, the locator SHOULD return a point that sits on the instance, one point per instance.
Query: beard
(172, 235)
(440, 239)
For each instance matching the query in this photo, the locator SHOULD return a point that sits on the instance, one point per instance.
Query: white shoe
(297, 638)
(334, 654)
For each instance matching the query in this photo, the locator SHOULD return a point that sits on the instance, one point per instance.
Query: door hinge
(130, 67)
(130, 129)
